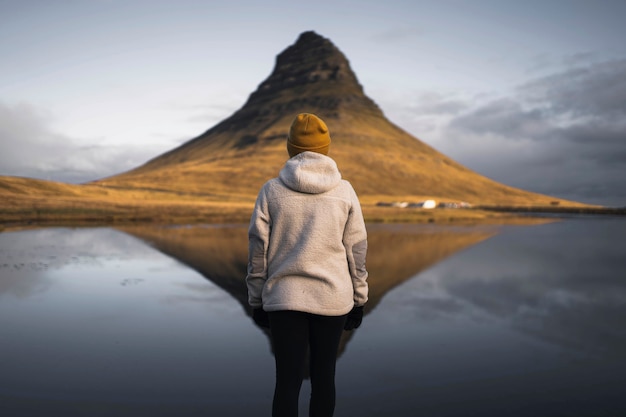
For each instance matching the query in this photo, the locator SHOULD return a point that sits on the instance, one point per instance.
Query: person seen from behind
(307, 279)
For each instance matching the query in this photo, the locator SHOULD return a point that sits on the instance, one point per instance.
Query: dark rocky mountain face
(311, 60)
(315, 68)
(311, 75)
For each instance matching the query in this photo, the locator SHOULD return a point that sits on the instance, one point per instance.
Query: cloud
(562, 134)
(30, 147)
(397, 34)
(504, 117)
(596, 90)
(26, 144)
(429, 103)
(209, 115)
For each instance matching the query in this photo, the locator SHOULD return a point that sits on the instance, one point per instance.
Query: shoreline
(240, 214)
(617, 211)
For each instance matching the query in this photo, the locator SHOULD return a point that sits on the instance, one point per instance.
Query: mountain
(235, 157)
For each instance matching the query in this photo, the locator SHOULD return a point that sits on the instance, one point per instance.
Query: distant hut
(429, 204)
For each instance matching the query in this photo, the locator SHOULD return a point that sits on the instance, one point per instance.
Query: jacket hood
(311, 173)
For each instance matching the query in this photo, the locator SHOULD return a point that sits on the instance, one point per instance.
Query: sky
(529, 93)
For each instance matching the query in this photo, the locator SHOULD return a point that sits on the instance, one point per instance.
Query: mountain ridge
(237, 155)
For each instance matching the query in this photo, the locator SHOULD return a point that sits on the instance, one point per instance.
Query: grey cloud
(597, 90)
(581, 58)
(209, 115)
(428, 103)
(504, 116)
(543, 63)
(422, 112)
(23, 136)
(29, 147)
(605, 143)
(396, 34)
(539, 62)
(563, 135)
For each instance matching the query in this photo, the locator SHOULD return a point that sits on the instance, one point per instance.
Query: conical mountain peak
(313, 61)
(312, 76)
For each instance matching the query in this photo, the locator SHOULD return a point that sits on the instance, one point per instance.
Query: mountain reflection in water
(395, 254)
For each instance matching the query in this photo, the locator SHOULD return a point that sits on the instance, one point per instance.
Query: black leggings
(293, 334)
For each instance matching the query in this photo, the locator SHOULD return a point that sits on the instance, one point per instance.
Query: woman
(306, 268)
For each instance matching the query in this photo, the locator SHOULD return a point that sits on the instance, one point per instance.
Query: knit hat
(308, 133)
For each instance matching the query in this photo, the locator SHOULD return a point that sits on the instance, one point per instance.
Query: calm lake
(462, 321)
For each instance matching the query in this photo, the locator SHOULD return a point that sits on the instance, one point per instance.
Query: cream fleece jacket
(307, 241)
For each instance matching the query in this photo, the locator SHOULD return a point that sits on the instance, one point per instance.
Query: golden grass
(375, 214)
(26, 201)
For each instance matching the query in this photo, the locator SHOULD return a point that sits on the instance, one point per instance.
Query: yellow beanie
(308, 133)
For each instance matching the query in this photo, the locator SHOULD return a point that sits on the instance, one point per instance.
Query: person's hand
(355, 317)
(261, 318)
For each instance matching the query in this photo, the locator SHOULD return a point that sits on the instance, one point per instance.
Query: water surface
(462, 321)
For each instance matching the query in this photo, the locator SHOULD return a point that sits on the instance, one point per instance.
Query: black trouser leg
(290, 340)
(292, 334)
(325, 333)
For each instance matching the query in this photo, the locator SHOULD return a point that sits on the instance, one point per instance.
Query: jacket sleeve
(258, 240)
(355, 242)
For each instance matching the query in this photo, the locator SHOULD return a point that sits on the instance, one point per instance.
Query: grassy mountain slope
(382, 161)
